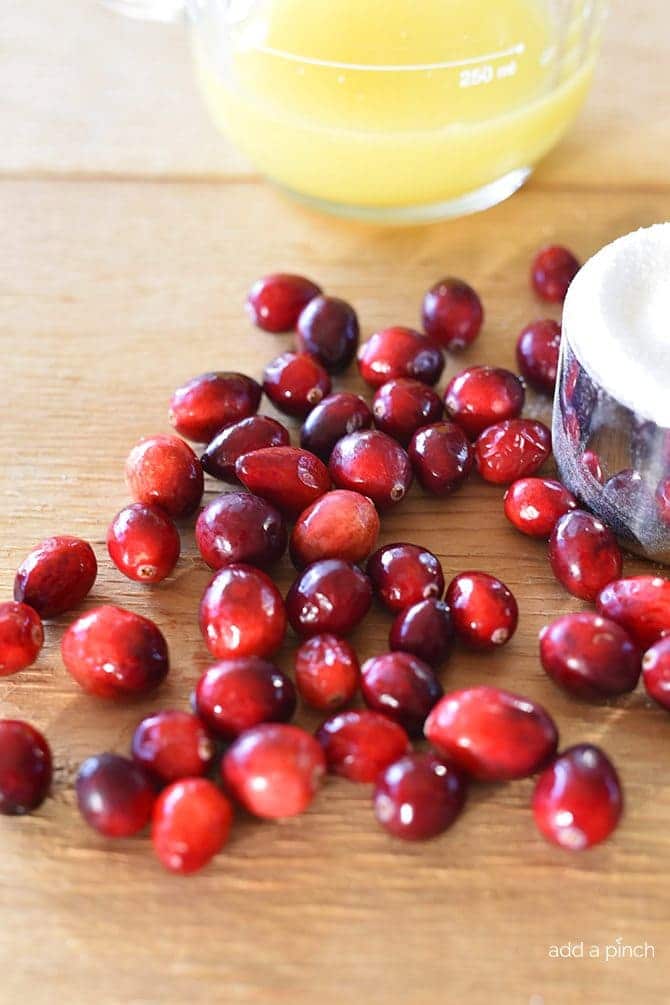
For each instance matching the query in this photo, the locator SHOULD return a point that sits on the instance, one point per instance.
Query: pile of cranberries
(322, 500)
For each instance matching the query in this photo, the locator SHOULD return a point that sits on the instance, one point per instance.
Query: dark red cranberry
(235, 695)
(21, 637)
(402, 406)
(143, 543)
(326, 672)
(452, 314)
(114, 653)
(441, 457)
(662, 497)
(201, 408)
(512, 449)
(628, 492)
(534, 505)
(537, 350)
(242, 437)
(240, 527)
(191, 823)
(484, 611)
(328, 596)
(295, 382)
(242, 614)
(584, 554)
(288, 477)
(275, 302)
(578, 800)
(480, 396)
(400, 352)
(418, 797)
(172, 745)
(361, 743)
(115, 796)
(340, 524)
(25, 767)
(373, 464)
(274, 771)
(552, 271)
(591, 463)
(640, 604)
(491, 734)
(163, 471)
(56, 575)
(401, 687)
(656, 672)
(334, 417)
(424, 629)
(590, 656)
(328, 329)
(404, 574)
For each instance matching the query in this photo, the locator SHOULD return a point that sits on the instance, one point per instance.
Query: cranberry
(583, 554)
(171, 745)
(56, 575)
(480, 396)
(235, 695)
(275, 302)
(404, 574)
(274, 771)
(191, 823)
(640, 604)
(578, 800)
(491, 734)
(373, 464)
(361, 743)
(288, 477)
(340, 524)
(534, 505)
(326, 672)
(402, 406)
(201, 408)
(552, 271)
(627, 492)
(441, 457)
(115, 796)
(401, 687)
(400, 352)
(328, 329)
(328, 596)
(484, 611)
(425, 629)
(242, 437)
(452, 314)
(113, 653)
(240, 527)
(591, 463)
(295, 382)
(590, 656)
(511, 450)
(334, 417)
(656, 672)
(163, 471)
(242, 614)
(143, 543)
(25, 767)
(21, 637)
(537, 350)
(418, 797)
(662, 497)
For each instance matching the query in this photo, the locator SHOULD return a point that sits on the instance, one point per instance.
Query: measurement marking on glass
(475, 61)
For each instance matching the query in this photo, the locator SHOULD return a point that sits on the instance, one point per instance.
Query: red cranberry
(242, 437)
(274, 771)
(115, 796)
(400, 352)
(552, 271)
(424, 629)
(590, 656)
(361, 743)
(401, 687)
(491, 734)
(275, 302)
(583, 554)
(404, 574)
(592, 464)
(418, 797)
(452, 314)
(480, 396)
(143, 543)
(242, 614)
(240, 527)
(656, 672)
(334, 417)
(326, 672)
(25, 767)
(288, 477)
(402, 406)
(340, 524)
(201, 408)
(172, 745)
(640, 604)
(328, 596)
(56, 575)
(373, 464)
(511, 450)
(163, 471)
(534, 505)
(235, 695)
(113, 653)
(295, 382)
(328, 329)
(662, 497)
(441, 457)
(537, 350)
(578, 800)
(483, 609)
(628, 492)
(191, 823)
(21, 637)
